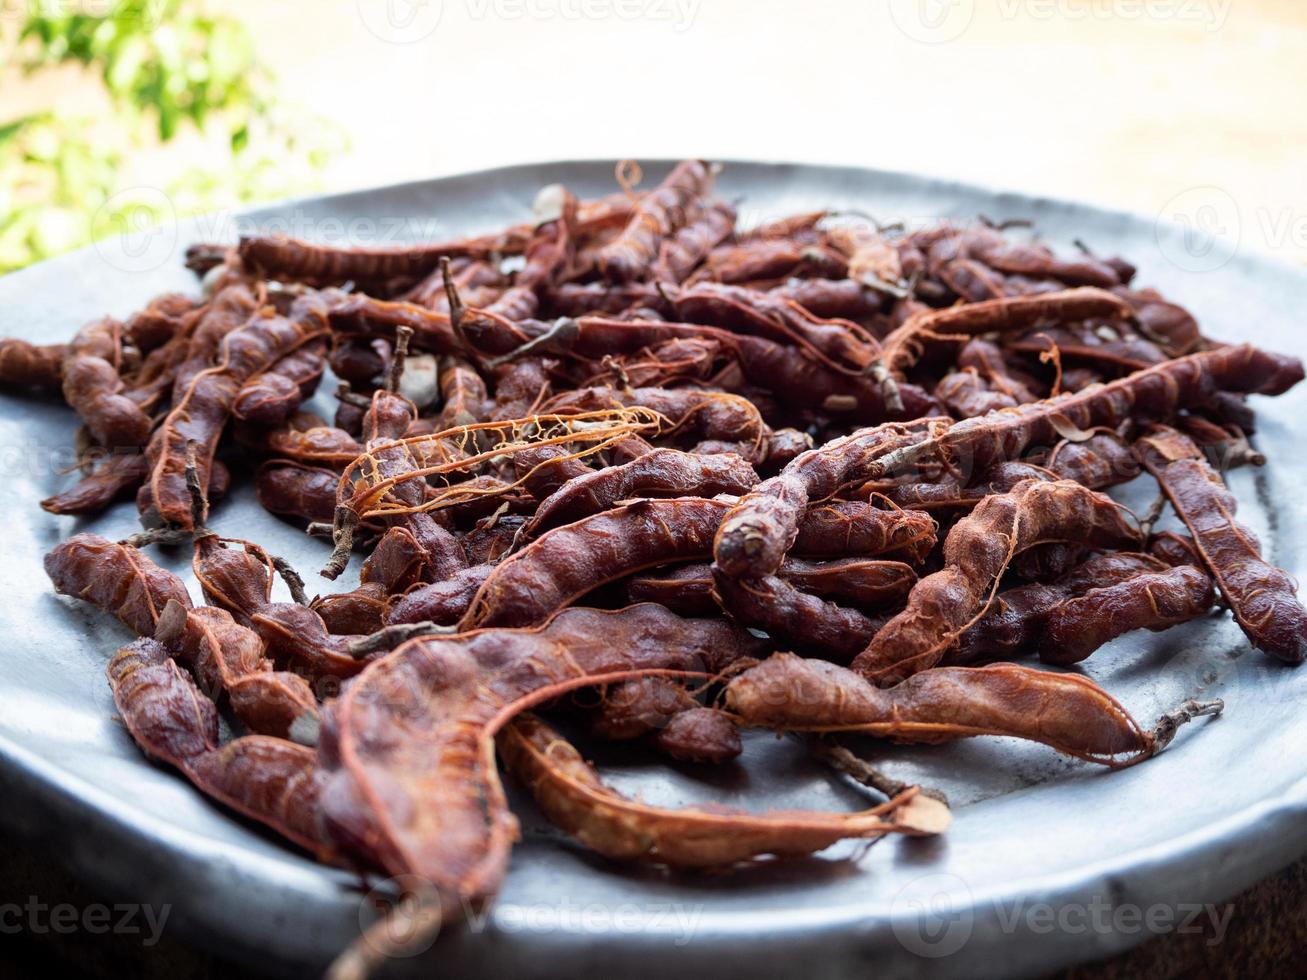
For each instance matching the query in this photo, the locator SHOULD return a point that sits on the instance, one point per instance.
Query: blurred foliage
(168, 69)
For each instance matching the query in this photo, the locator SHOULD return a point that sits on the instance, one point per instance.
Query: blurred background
(115, 114)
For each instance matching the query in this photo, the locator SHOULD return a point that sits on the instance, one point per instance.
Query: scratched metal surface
(1221, 808)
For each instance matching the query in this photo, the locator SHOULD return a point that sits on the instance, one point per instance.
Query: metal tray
(1050, 862)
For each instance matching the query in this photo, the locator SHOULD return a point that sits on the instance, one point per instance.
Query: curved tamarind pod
(359, 315)
(760, 529)
(35, 365)
(1262, 597)
(660, 473)
(200, 415)
(117, 477)
(866, 583)
(1153, 600)
(276, 394)
(423, 797)
(1145, 396)
(116, 578)
(566, 563)
(858, 527)
(792, 618)
(1069, 713)
(1015, 621)
(322, 444)
(658, 214)
(291, 489)
(706, 228)
(571, 794)
(976, 553)
(270, 780)
(159, 322)
(1007, 315)
(93, 389)
(443, 603)
(1084, 346)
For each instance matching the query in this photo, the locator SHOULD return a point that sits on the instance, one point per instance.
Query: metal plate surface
(1116, 857)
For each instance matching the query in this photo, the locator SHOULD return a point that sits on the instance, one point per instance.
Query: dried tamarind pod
(571, 794)
(116, 578)
(678, 255)
(976, 552)
(34, 365)
(1006, 315)
(292, 489)
(1069, 713)
(794, 619)
(858, 527)
(865, 583)
(276, 394)
(662, 472)
(456, 693)
(1014, 623)
(93, 389)
(659, 214)
(200, 415)
(270, 780)
(1262, 597)
(114, 479)
(761, 528)
(1153, 600)
(1149, 395)
(631, 709)
(703, 735)
(228, 661)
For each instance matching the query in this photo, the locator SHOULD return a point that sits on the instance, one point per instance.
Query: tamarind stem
(1164, 731)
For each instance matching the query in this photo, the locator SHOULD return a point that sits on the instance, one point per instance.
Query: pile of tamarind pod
(814, 476)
